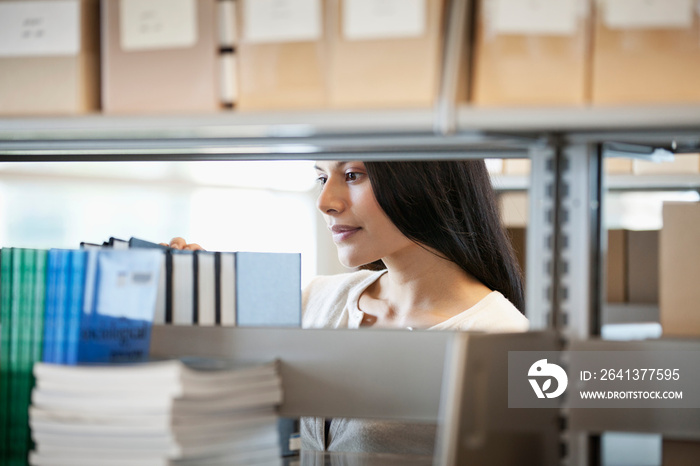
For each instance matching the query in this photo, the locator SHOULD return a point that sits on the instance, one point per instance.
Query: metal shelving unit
(566, 147)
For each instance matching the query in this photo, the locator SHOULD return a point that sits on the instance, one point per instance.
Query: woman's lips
(343, 232)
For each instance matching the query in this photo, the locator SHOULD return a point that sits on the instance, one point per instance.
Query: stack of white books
(172, 412)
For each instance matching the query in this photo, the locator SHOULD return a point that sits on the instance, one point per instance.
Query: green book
(5, 325)
(40, 277)
(24, 359)
(14, 356)
(37, 319)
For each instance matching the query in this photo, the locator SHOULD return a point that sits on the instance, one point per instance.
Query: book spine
(183, 285)
(62, 297)
(227, 279)
(195, 288)
(39, 306)
(24, 359)
(6, 268)
(217, 288)
(53, 270)
(18, 277)
(168, 287)
(206, 287)
(159, 315)
(75, 305)
(38, 311)
(89, 300)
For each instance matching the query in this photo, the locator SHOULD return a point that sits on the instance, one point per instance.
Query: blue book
(56, 303)
(267, 289)
(50, 311)
(74, 308)
(121, 287)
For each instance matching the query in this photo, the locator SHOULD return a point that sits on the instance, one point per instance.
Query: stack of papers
(155, 413)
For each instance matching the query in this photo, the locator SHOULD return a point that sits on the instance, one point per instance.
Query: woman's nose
(331, 200)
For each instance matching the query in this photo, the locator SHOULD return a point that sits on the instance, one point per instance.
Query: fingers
(180, 243)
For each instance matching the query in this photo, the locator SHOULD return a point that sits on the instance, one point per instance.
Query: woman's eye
(352, 176)
(321, 180)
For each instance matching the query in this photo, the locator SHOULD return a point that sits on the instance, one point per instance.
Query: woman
(435, 255)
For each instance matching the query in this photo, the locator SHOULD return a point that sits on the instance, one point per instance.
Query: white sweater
(332, 302)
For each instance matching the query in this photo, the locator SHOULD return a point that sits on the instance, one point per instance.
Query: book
(165, 446)
(19, 278)
(160, 312)
(6, 278)
(51, 304)
(206, 292)
(175, 378)
(57, 421)
(22, 370)
(60, 301)
(263, 456)
(182, 287)
(119, 303)
(22, 278)
(267, 289)
(74, 305)
(39, 310)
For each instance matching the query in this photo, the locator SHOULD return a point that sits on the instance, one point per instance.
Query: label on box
(41, 28)
(383, 19)
(534, 17)
(648, 14)
(268, 21)
(157, 24)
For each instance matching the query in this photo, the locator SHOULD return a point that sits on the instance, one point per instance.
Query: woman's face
(361, 230)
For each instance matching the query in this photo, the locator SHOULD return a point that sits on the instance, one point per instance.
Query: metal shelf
(594, 122)
(653, 182)
(390, 134)
(373, 134)
(614, 182)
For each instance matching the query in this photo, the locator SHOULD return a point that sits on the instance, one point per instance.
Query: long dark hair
(450, 206)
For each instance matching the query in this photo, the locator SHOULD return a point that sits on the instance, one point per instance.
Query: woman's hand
(180, 243)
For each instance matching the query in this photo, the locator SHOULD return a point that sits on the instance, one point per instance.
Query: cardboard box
(646, 52)
(386, 55)
(525, 55)
(679, 269)
(643, 266)
(618, 166)
(159, 58)
(516, 166)
(49, 57)
(282, 55)
(616, 267)
(680, 453)
(683, 164)
(514, 208)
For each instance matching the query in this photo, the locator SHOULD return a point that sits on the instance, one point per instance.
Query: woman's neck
(420, 289)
